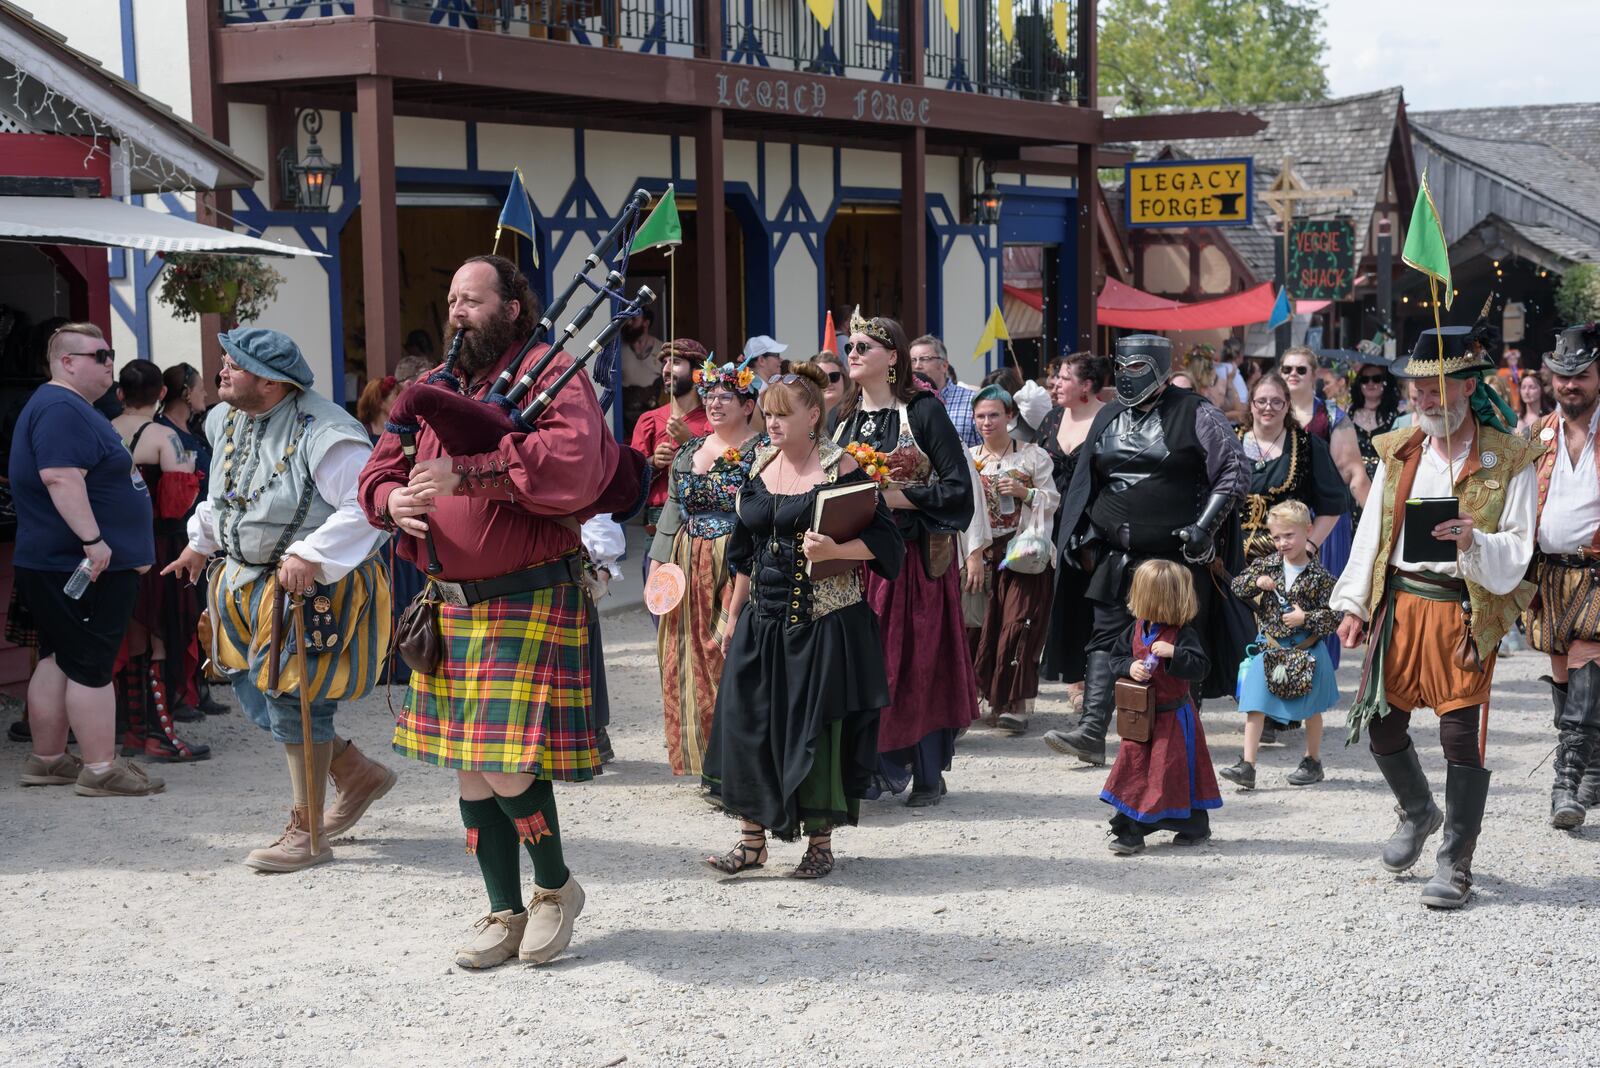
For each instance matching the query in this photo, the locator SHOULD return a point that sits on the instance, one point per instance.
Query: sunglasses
(1370, 380)
(1291, 369)
(101, 356)
(862, 347)
(835, 377)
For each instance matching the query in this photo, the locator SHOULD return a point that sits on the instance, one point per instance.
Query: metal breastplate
(1130, 449)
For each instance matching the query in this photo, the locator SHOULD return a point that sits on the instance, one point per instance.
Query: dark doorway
(862, 261)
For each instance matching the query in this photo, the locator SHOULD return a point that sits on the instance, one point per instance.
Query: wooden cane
(313, 787)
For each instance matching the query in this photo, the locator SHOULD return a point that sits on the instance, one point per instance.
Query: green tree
(1578, 295)
(1211, 53)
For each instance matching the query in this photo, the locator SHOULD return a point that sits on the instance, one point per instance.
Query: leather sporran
(938, 553)
(416, 636)
(1136, 710)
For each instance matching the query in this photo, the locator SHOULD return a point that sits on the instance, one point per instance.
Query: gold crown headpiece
(873, 328)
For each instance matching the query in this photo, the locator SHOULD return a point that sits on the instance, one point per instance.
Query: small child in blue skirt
(1288, 591)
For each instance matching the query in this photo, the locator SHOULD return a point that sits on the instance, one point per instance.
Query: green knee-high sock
(493, 839)
(534, 814)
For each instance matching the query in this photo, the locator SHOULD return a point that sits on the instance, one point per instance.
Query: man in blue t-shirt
(80, 501)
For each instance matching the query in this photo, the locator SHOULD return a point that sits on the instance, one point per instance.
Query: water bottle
(1007, 503)
(79, 580)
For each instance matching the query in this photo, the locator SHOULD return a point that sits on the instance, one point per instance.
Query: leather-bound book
(842, 513)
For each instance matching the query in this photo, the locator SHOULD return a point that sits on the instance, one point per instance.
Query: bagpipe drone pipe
(465, 426)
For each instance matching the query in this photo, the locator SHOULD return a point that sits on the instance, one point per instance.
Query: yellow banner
(993, 331)
(822, 11)
(1058, 19)
(876, 7)
(1008, 20)
(952, 14)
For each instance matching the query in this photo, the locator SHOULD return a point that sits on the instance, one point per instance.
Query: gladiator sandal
(817, 861)
(748, 854)
(162, 745)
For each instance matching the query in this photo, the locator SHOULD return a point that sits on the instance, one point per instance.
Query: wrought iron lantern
(986, 204)
(306, 184)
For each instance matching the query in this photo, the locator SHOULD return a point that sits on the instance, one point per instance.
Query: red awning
(1134, 309)
(1033, 298)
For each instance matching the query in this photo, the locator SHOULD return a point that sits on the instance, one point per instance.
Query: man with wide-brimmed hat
(282, 510)
(1564, 620)
(1436, 624)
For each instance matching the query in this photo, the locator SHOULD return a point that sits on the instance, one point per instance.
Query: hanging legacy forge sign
(1207, 192)
(1322, 259)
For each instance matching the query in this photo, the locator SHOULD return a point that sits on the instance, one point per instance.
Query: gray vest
(263, 496)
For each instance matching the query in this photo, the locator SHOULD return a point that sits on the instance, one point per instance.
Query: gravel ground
(995, 929)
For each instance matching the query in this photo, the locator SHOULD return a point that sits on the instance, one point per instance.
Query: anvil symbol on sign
(1228, 203)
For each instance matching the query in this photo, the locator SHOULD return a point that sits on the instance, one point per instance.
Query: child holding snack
(1165, 783)
(1289, 676)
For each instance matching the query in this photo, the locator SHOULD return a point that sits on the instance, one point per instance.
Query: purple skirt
(931, 683)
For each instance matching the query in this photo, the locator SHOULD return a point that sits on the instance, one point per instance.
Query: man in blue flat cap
(283, 513)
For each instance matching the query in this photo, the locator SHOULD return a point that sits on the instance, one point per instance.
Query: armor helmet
(1576, 348)
(1143, 363)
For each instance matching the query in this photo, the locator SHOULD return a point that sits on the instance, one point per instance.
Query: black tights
(1458, 734)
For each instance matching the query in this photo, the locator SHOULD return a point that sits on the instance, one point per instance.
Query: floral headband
(708, 376)
(873, 328)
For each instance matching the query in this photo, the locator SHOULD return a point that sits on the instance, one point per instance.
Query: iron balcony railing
(1033, 56)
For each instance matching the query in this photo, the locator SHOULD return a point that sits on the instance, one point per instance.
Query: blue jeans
(281, 715)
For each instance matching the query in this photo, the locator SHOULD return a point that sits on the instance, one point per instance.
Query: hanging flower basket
(238, 288)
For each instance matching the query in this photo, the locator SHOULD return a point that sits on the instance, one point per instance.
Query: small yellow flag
(1058, 19)
(952, 14)
(1008, 20)
(876, 7)
(822, 11)
(994, 330)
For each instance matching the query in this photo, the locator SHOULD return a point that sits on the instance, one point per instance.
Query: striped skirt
(511, 692)
(689, 650)
(1567, 609)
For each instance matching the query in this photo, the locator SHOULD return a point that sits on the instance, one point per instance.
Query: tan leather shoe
(62, 771)
(292, 850)
(550, 917)
(496, 941)
(360, 781)
(121, 779)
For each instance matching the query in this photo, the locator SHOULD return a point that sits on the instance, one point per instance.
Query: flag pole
(1438, 335)
(495, 249)
(672, 284)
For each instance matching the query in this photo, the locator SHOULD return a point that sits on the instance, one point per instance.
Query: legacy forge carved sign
(789, 95)
(1210, 192)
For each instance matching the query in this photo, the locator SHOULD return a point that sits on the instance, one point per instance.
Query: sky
(1465, 53)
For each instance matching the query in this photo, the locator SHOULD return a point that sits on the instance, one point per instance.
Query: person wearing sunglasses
(1373, 409)
(82, 508)
(933, 691)
(839, 385)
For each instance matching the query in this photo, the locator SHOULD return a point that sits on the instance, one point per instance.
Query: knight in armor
(1164, 478)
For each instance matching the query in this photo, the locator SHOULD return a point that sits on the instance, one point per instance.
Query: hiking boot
(1125, 844)
(1309, 771)
(359, 781)
(496, 940)
(1012, 722)
(550, 917)
(1241, 773)
(292, 850)
(62, 771)
(1466, 791)
(122, 779)
(927, 798)
(1419, 816)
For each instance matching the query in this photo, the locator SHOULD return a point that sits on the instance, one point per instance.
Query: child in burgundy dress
(1166, 783)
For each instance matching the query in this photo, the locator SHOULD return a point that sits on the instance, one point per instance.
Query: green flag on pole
(662, 227)
(1426, 249)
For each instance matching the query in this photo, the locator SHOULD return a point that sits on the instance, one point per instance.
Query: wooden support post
(380, 239)
(1088, 247)
(914, 232)
(710, 233)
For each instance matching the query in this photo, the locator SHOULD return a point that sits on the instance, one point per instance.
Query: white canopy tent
(115, 224)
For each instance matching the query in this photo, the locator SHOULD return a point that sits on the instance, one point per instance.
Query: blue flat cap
(267, 354)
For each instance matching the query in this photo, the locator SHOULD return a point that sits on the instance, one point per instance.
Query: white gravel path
(994, 929)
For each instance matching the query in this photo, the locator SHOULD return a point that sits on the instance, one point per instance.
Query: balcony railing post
(1088, 58)
(913, 41)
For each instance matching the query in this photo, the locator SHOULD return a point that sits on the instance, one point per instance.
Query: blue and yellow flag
(517, 215)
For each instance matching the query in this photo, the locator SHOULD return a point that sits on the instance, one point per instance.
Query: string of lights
(60, 114)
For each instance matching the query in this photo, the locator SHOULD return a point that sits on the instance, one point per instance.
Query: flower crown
(873, 328)
(708, 376)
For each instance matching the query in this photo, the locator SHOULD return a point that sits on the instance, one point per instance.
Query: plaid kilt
(512, 690)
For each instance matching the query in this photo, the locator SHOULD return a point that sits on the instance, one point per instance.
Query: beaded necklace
(230, 494)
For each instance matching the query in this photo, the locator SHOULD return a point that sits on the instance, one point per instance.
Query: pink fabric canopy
(1134, 309)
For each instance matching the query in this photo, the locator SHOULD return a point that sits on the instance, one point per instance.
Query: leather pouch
(1136, 710)
(416, 635)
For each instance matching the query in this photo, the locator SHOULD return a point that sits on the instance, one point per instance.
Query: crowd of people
(1155, 533)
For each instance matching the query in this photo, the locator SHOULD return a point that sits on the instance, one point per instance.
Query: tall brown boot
(359, 781)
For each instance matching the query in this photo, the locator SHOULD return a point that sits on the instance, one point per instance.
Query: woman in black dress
(794, 740)
(1373, 410)
(1287, 463)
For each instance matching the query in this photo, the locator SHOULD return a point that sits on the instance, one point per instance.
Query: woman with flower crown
(933, 694)
(795, 743)
(703, 484)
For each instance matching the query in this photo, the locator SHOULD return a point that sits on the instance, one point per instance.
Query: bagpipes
(465, 426)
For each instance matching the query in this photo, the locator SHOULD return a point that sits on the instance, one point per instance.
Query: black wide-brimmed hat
(1465, 354)
(1576, 348)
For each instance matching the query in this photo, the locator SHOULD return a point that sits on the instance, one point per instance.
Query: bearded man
(282, 511)
(509, 703)
(1564, 620)
(1436, 625)
(661, 431)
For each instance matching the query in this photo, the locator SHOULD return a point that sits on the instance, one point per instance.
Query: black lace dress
(1071, 618)
(794, 741)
